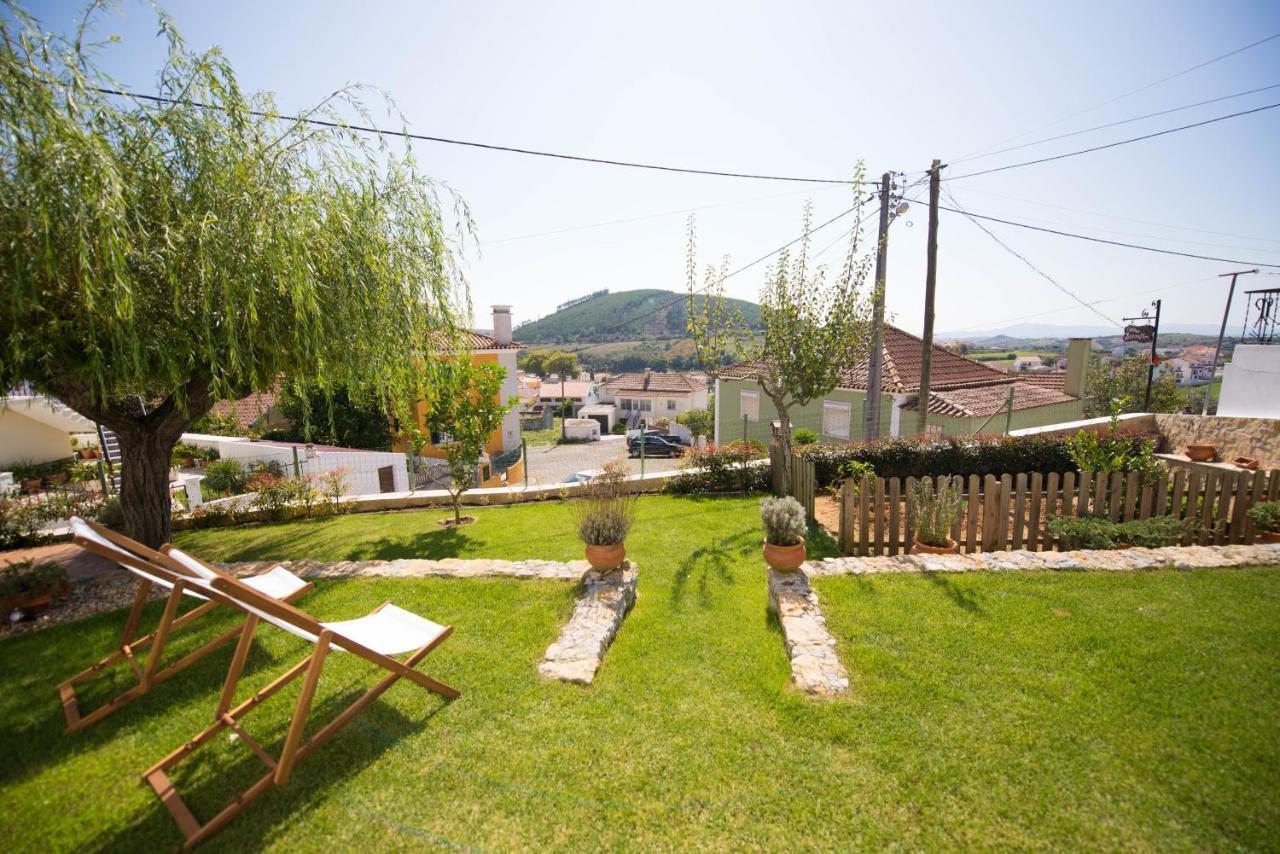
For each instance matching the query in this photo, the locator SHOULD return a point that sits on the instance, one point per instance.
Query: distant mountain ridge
(1044, 330)
(640, 315)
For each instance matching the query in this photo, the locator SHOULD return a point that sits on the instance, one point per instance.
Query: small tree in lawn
(160, 256)
(813, 329)
(465, 408)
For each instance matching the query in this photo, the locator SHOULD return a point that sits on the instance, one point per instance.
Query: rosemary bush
(936, 510)
(783, 519)
(604, 514)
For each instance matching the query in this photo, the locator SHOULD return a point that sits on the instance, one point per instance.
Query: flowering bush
(721, 468)
(333, 485)
(280, 497)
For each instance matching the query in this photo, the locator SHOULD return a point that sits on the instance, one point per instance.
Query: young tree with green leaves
(534, 362)
(163, 255)
(814, 327)
(464, 406)
(1127, 382)
(334, 418)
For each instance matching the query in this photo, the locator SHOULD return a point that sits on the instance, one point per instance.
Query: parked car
(655, 445)
(581, 476)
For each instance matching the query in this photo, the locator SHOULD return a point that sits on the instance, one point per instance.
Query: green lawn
(993, 710)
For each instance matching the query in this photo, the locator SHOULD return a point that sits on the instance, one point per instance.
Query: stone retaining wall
(815, 667)
(606, 598)
(1233, 437)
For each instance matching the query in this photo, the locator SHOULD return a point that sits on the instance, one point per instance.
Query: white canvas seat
(152, 571)
(388, 631)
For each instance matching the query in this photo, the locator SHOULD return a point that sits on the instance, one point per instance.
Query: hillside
(608, 318)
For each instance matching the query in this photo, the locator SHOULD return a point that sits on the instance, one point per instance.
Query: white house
(650, 395)
(1251, 383)
(580, 393)
(36, 428)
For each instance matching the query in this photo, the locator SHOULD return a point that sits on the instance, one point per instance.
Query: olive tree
(160, 255)
(814, 326)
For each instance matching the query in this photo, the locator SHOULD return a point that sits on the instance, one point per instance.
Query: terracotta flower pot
(32, 485)
(1201, 453)
(1121, 545)
(606, 558)
(1268, 536)
(32, 603)
(784, 558)
(1246, 463)
(919, 548)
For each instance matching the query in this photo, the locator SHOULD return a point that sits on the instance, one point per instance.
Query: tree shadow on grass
(429, 545)
(962, 598)
(707, 563)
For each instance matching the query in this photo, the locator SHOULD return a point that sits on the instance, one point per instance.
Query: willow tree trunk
(147, 437)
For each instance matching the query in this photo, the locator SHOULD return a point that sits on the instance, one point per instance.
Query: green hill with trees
(627, 316)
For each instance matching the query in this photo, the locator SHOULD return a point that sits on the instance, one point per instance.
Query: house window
(441, 437)
(624, 403)
(644, 405)
(749, 404)
(835, 419)
(671, 405)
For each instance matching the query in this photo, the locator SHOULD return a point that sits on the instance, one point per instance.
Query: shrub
(721, 468)
(803, 436)
(1083, 532)
(281, 497)
(20, 524)
(28, 578)
(604, 514)
(936, 510)
(1265, 516)
(225, 476)
(1115, 451)
(699, 421)
(783, 520)
(953, 455)
(333, 485)
(1153, 533)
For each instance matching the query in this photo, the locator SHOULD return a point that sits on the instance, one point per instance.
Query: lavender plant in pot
(603, 517)
(936, 513)
(784, 530)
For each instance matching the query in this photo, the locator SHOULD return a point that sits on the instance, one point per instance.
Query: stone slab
(602, 606)
(815, 667)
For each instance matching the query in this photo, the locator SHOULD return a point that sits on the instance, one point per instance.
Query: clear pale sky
(798, 89)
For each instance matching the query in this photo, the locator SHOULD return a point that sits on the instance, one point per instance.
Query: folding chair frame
(295, 748)
(148, 672)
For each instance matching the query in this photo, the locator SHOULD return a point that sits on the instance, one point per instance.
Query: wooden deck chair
(385, 632)
(152, 571)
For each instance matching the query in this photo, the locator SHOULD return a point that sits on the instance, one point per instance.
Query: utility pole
(1217, 351)
(930, 286)
(871, 421)
(1151, 368)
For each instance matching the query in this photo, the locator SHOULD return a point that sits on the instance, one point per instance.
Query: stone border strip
(603, 605)
(1173, 557)
(815, 667)
(419, 568)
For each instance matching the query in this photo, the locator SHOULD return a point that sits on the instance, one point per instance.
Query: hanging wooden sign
(1143, 333)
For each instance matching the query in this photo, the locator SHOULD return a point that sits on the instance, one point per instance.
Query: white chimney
(502, 324)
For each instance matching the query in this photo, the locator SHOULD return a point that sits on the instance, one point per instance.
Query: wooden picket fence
(1010, 512)
(804, 479)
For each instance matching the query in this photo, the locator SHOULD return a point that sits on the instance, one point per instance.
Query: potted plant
(784, 530)
(1265, 518)
(936, 513)
(603, 517)
(1201, 453)
(31, 587)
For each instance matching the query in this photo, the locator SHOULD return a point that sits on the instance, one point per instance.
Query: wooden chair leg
(162, 634)
(237, 666)
(295, 748)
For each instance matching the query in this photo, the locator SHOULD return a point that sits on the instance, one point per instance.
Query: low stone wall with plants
(1258, 438)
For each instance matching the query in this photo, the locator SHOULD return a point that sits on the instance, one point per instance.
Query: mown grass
(1098, 710)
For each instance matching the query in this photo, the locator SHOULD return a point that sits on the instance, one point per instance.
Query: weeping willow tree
(160, 255)
(814, 325)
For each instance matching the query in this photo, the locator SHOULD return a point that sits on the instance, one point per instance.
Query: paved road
(553, 463)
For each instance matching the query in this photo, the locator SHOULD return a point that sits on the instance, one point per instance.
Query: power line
(741, 269)
(1116, 123)
(482, 145)
(1024, 260)
(1125, 218)
(1159, 290)
(1121, 97)
(1113, 144)
(643, 217)
(1104, 240)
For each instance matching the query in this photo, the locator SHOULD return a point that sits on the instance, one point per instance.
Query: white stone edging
(1172, 557)
(603, 605)
(815, 667)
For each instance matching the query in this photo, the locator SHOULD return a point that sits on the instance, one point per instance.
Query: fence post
(297, 467)
(524, 455)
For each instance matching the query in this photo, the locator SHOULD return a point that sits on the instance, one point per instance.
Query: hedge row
(950, 456)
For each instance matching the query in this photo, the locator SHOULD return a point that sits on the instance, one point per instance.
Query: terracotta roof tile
(900, 368)
(1055, 381)
(653, 383)
(983, 400)
(480, 341)
(246, 410)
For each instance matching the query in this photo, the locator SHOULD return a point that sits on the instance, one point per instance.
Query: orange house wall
(492, 447)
